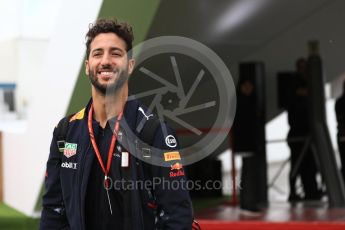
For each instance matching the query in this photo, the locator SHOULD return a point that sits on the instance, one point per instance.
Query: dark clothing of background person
(340, 114)
(245, 124)
(298, 117)
(245, 138)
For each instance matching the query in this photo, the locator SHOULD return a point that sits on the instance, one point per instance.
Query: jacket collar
(129, 114)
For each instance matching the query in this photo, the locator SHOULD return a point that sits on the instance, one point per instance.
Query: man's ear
(87, 68)
(131, 64)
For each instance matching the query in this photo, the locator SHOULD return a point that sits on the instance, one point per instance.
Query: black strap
(61, 132)
(127, 205)
(147, 134)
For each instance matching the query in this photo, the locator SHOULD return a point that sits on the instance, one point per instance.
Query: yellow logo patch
(171, 156)
(78, 116)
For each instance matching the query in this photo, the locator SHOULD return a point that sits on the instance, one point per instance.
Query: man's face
(107, 65)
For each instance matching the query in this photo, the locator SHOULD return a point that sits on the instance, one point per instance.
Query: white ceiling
(239, 25)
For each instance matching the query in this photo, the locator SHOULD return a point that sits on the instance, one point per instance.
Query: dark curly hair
(121, 29)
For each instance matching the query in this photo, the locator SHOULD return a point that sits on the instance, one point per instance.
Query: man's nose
(105, 60)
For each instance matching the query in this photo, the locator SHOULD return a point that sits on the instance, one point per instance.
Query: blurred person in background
(340, 114)
(298, 118)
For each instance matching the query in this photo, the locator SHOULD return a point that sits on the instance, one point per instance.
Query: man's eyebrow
(116, 49)
(95, 50)
(111, 49)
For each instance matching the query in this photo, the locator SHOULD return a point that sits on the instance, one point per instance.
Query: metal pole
(320, 134)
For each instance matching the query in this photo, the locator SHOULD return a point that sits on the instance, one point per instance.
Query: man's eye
(96, 54)
(117, 54)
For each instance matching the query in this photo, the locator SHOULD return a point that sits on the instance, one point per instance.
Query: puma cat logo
(147, 117)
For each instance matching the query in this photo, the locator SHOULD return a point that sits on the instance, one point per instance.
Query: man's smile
(106, 75)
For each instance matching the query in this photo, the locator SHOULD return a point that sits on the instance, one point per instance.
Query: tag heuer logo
(70, 149)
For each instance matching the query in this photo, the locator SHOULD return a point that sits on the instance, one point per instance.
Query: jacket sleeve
(53, 212)
(172, 197)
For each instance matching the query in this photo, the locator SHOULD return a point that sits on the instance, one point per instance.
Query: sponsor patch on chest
(170, 141)
(69, 165)
(172, 156)
(70, 149)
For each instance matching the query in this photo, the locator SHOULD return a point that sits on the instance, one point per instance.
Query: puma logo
(147, 117)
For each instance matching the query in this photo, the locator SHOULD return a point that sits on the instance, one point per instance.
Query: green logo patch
(70, 149)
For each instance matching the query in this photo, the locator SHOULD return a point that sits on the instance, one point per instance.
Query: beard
(110, 88)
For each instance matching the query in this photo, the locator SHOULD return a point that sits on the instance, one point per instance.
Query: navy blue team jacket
(67, 176)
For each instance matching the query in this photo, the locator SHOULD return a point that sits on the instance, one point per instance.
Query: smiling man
(96, 151)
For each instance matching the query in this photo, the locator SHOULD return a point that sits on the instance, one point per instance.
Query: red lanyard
(94, 144)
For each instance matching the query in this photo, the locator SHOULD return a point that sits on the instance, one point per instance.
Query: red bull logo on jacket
(176, 170)
(176, 166)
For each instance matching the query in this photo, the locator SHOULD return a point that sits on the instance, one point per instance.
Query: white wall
(30, 59)
(25, 154)
(25, 30)
(8, 61)
(38, 18)
(21, 59)
(9, 20)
